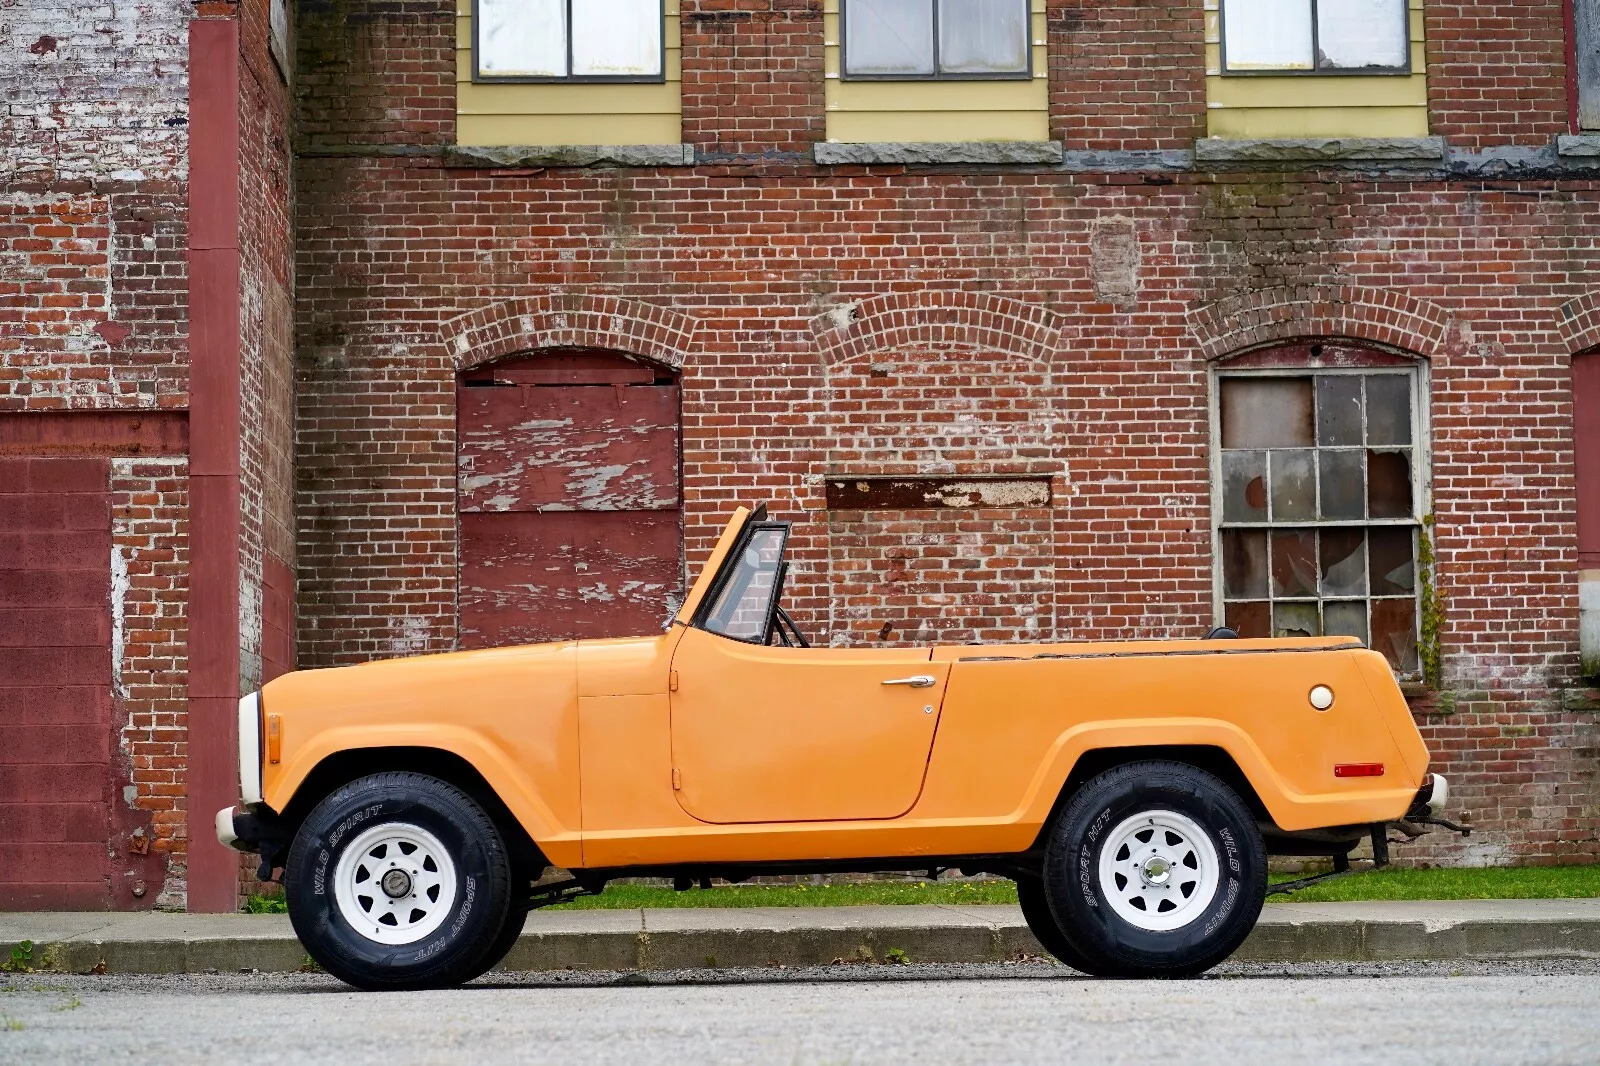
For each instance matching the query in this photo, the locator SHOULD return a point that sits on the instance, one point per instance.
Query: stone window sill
(1327, 151)
(573, 155)
(1578, 144)
(989, 153)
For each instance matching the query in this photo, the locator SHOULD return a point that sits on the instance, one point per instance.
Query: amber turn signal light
(275, 739)
(1358, 769)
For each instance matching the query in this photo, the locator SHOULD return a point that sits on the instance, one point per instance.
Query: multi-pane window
(568, 40)
(1316, 36)
(935, 38)
(1318, 493)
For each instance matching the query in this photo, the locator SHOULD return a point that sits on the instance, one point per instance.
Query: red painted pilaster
(214, 454)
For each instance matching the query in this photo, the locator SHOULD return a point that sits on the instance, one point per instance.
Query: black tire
(453, 935)
(1125, 808)
(509, 932)
(1042, 924)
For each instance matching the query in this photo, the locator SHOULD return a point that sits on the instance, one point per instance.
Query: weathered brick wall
(752, 76)
(93, 315)
(1497, 71)
(960, 321)
(150, 661)
(266, 385)
(1127, 76)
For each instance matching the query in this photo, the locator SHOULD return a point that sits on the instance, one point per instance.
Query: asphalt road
(1523, 1012)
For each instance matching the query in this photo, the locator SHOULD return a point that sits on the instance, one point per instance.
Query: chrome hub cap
(1159, 870)
(395, 883)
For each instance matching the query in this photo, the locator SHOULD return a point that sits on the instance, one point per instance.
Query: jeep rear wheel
(398, 881)
(1155, 869)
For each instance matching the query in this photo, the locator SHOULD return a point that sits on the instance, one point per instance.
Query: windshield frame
(731, 566)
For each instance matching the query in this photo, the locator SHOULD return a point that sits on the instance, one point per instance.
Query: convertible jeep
(420, 807)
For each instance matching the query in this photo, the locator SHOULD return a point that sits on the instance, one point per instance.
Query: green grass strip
(1524, 882)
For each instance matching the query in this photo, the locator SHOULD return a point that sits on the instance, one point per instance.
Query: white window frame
(1316, 70)
(569, 79)
(937, 75)
(1421, 475)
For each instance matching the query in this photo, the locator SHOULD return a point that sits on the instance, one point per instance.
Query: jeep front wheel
(398, 881)
(1155, 869)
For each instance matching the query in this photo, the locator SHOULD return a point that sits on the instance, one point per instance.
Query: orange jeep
(1133, 790)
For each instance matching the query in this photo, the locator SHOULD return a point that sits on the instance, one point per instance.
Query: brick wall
(150, 661)
(1497, 71)
(961, 321)
(1127, 76)
(752, 77)
(93, 316)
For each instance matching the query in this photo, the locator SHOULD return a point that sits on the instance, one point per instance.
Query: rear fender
(1287, 808)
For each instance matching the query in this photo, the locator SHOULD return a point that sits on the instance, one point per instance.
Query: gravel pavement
(1033, 1011)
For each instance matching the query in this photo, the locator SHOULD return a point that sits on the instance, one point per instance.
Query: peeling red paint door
(571, 519)
(55, 684)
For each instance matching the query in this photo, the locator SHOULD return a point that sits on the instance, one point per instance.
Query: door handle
(919, 681)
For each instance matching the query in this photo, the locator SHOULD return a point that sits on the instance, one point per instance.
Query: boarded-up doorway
(55, 684)
(571, 518)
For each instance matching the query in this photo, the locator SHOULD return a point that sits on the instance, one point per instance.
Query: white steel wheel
(395, 883)
(1159, 870)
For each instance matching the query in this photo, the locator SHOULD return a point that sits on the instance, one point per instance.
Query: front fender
(560, 844)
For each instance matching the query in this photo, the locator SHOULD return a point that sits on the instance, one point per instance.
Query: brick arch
(970, 320)
(569, 320)
(1579, 323)
(1380, 316)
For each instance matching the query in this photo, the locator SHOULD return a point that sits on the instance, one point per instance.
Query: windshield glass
(743, 607)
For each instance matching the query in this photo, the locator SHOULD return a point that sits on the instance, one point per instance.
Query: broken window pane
(1344, 562)
(1343, 493)
(1345, 620)
(888, 36)
(1389, 484)
(1338, 410)
(1295, 620)
(1250, 619)
(1394, 567)
(1388, 409)
(983, 36)
(1353, 34)
(1394, 632)
(1244, 486)
(1266, 412)
(1244, 564)
(616, 38)
(1294, 487)
(522, 38)
(1267, 34)
(1294, 565)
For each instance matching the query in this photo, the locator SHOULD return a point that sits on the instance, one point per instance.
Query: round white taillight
(1321, 697)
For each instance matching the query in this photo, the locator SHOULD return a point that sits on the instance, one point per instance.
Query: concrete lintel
(1579, 144)
(831, 153)
(1331, 151)
(572, 155)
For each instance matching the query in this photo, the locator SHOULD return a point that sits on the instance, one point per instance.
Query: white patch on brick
(1589, 621)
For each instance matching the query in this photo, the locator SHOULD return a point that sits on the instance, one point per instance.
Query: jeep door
(793, 734)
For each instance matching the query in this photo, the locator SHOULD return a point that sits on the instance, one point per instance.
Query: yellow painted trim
(923, 111)
(1299, 105)
(551, 113)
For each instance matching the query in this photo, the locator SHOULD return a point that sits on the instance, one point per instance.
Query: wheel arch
(349, 764)
(1213, 759)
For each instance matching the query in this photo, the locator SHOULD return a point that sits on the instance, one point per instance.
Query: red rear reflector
(1358, 769)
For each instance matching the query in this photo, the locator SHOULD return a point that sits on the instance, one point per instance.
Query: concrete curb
(693, 938)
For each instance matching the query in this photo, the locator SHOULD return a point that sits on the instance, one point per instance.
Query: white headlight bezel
(250, 748)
